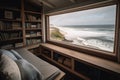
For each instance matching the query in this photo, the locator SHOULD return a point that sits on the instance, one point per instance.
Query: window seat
(93, 61)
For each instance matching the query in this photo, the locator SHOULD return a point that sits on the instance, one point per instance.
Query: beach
(93, 36)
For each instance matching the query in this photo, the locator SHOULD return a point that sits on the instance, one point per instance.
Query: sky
(97, 16)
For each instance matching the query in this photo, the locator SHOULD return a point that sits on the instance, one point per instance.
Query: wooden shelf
(12, 9)
(34, 21)
(34, 36)
(11, 39)
(12, 30)
(12, 20)
(32, 46)
(33, 29)
(32, 12)
(80, 75)
(87, 59)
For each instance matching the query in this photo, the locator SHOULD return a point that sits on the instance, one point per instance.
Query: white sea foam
(100, 39)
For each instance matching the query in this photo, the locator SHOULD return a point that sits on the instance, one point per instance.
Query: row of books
(32, 17)
(9, 25)
(8, 46)
(30, 25)
(11, 46)
(20, 44)
(32, 41)
(63, 60)
(7, 36)
(33, 34)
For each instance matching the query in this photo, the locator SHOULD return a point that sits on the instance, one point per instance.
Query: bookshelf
(20, 24)
(10, 24)
(33, 24)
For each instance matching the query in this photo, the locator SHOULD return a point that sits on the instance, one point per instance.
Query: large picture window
(92, 28)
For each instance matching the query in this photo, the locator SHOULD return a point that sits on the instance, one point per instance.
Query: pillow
(8, 53)
(8, 69)
(28, 71)
(16, 54)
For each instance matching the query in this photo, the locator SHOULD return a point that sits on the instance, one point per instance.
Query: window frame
(115, 56)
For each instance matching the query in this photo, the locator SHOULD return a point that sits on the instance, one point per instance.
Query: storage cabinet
(61, 60)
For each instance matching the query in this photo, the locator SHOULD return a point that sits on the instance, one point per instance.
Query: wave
(94, 43)
(96, 37)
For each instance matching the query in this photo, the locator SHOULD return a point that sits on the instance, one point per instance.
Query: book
(8, 14)
(7, 36)
(18, 45)
(33, 34)
(32, 41)
(33, 26)
(38, 33)
(32, 17)
(61, 59)
(67, 62)
(16, 25)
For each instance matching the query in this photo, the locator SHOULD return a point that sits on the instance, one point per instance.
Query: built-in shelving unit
(60, 59)
(33, 25)
(85, 66)
(10, 24)
(20, 24)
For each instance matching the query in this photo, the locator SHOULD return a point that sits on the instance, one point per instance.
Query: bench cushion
(48, 71)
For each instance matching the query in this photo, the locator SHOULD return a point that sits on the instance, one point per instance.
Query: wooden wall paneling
(23, 21)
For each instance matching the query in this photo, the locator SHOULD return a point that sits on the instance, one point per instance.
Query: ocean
(93, 36)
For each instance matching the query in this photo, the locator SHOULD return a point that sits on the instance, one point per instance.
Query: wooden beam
(47, 3)
(73, 1)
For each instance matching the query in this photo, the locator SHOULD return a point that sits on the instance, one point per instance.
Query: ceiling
(56, 5)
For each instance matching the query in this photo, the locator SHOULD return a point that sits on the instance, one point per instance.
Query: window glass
(93, 28)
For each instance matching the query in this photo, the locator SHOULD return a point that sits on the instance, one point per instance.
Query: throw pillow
(8, 53)
(28, 71)
(16, 54)
(8, 69)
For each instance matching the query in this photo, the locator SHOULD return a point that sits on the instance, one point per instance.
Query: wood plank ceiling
(53, 5)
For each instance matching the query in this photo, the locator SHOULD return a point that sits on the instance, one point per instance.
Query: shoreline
(99, 42)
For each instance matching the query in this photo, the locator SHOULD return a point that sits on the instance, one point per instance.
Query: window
(92, 29)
